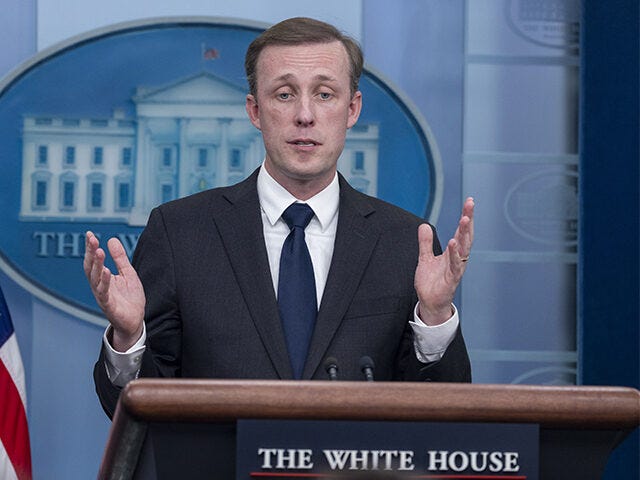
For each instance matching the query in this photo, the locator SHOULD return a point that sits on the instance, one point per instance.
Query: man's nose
(304, 112)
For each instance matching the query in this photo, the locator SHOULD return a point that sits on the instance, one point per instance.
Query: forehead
(303, 61)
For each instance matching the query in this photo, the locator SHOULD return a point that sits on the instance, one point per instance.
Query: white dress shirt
(430, 343)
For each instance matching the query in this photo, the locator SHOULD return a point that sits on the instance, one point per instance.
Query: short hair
(300, 31)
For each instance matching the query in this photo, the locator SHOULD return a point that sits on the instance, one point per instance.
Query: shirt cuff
(122, 367)
(430, 342)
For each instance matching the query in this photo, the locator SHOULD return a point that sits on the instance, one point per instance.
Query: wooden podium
(579, 426)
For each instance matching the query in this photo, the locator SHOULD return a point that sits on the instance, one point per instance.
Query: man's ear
(252, 108)
(355, 106)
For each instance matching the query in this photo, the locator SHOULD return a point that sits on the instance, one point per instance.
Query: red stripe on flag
(14, 432)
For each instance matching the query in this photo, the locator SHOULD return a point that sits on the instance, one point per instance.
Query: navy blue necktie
(297, 287)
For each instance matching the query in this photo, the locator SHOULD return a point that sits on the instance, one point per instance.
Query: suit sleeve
(454, 366)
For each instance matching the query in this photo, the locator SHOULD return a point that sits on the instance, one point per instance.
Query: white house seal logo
(531, 208)
(98, 130)
(548, 23)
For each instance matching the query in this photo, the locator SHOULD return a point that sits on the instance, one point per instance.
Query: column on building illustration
(223, 151)
(142, 202)
(184, 160)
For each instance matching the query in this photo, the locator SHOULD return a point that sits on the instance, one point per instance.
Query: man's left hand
(438, 277)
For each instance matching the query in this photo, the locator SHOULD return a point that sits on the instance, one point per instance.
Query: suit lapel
(240, 227)
(356, 237)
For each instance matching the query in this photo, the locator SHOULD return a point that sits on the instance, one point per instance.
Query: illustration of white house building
(186, 137)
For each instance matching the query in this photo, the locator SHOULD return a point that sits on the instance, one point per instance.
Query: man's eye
(325, 95)
(284, 96)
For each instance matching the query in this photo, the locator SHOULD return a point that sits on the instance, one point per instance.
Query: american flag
(15, 453)
(209, 53)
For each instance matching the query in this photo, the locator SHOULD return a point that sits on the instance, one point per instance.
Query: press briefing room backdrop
(530, 107)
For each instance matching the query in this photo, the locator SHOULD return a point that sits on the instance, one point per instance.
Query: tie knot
(298, 215)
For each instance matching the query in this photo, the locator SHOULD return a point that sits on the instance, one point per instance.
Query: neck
(300, 187)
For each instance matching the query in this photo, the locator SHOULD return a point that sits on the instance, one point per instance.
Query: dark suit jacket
(211, 309)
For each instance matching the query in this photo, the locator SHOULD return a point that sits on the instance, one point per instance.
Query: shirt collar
(274, 199)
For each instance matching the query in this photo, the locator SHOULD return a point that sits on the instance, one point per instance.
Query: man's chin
(303, 183)
(310, 175)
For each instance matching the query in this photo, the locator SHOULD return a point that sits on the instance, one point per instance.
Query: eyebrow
(320, 77)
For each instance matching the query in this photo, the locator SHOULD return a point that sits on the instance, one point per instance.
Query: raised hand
(438, 277)
(121, 297)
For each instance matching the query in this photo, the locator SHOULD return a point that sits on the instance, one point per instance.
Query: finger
(425, 243)
(464, 232)
(457, 262)
(468, 207)
(102, 288)
(97, 267)
(90, 245)
(468, 211)
(464, 236)
(454, 251)
(119, 256)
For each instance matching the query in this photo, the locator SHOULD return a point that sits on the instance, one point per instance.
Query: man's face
(303, 106)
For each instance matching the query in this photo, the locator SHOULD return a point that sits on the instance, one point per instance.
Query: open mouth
(304, 143)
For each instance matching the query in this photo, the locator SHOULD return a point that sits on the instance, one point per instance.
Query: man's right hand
(121, 297)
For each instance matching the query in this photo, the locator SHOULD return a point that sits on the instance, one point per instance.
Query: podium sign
(309, 449)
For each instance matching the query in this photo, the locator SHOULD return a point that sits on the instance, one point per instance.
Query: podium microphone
(366, 367)
(331, 367)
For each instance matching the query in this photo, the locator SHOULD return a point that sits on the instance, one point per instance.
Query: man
(205, 296)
